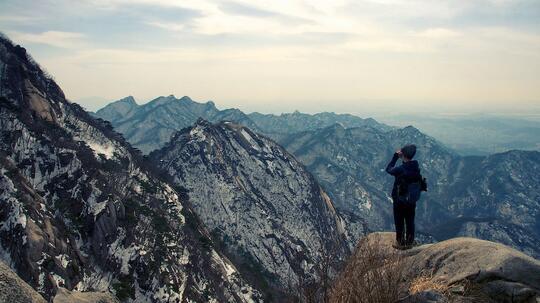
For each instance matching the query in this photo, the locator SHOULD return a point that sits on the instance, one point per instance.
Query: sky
(356, 56)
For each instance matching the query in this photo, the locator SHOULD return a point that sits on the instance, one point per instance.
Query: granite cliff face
(268, 212)
(80, 211)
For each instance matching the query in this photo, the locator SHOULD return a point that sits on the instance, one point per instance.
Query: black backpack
(409, 189)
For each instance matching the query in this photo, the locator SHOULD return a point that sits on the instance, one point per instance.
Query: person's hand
(399, 153)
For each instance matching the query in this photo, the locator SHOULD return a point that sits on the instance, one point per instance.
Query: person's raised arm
(394, 171)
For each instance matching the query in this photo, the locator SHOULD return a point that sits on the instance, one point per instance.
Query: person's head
(408, 151)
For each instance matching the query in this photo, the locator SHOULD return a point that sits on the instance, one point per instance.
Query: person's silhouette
(405, 193)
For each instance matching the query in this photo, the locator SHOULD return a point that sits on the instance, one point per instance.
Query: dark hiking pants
(404, 221)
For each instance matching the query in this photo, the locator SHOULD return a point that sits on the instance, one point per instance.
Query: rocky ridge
(259, 202)
(150, 126)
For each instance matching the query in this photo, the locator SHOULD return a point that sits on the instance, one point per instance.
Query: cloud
(170, 26)
(348, 49)
(248, 10)
(438, 33)
(236, 8)
(52, 38)
(169, 14)
(16, 19)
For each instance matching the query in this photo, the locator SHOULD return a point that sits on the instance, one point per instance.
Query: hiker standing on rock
(406, 191)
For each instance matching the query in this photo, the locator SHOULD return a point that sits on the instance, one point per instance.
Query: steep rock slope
(80, 211)
(65, 296)
(151, 125)
(257, 199)
(455, 270)
(493, 198)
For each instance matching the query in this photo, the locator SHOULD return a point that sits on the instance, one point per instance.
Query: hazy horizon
(370, 57)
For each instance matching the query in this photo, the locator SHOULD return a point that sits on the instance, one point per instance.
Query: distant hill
(476, 134)
(279, 126)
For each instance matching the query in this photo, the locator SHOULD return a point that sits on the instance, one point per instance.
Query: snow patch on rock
(250, 139)
(198, 134)
(104, 149)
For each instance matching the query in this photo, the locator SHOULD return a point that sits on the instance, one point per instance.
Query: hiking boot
(409, 245)
(406, 247)
(398, 246)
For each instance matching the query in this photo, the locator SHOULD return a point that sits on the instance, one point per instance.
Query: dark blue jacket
(407, 169)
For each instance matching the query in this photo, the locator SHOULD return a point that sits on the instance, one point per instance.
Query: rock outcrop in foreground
(456, 270)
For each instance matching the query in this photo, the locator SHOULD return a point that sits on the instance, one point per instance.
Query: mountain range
(151, 125)
(81, 211)
(491, 197)
(219, 214)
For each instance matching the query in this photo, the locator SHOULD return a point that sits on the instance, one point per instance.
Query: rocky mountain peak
(410, 130)
(118, 109)
(258, 201)
(162, 100)
(186, 99)
(25, 85)
(129, 100)
(165, 115)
